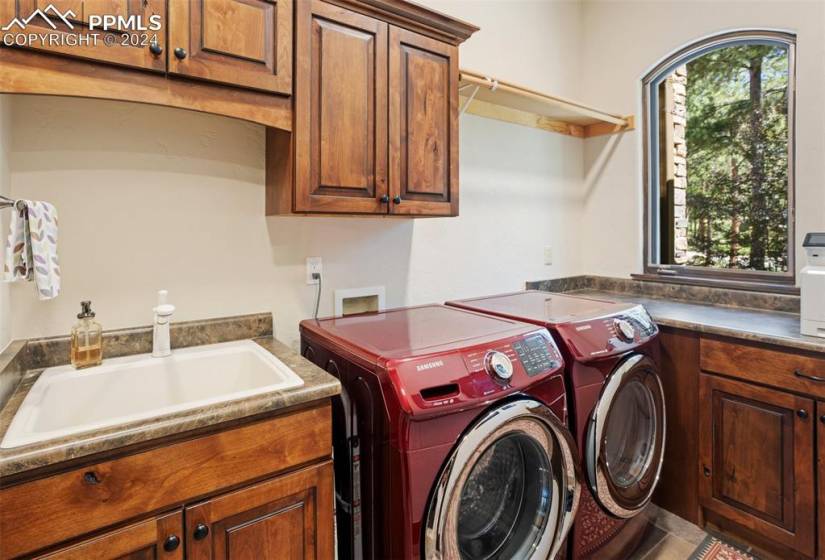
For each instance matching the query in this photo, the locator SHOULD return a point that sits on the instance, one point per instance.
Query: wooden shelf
(504, 101)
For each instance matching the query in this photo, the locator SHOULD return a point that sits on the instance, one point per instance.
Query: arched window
(719, 118)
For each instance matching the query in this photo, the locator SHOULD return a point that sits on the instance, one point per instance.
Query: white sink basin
(66, 401)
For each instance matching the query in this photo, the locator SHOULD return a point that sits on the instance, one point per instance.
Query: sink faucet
(161, 346)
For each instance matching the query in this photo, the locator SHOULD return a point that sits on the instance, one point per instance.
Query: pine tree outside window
(719, 119)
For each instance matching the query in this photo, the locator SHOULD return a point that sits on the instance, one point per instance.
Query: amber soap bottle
(87, 338)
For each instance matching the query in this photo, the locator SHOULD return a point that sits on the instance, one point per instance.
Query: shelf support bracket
(469, 99)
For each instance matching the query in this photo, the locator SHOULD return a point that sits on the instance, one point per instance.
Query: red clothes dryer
(449, 438)
(611, 352)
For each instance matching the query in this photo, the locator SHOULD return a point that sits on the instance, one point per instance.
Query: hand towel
(31, 249)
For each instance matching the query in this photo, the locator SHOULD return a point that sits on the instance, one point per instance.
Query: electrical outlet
(314, 266)
(548, 255)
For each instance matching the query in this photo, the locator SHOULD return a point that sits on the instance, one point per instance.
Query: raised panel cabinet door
(135, 32)
(340, 129)
(158, 538)
(423, 125)
(757, 460)
(820, 462)
(289, 518)
(246, 43)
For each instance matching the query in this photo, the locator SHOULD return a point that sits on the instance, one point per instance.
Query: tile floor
(672, 538)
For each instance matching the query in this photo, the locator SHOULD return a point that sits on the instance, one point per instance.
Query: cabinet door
(423, 125)
(289, 517)
(820, 461)
(340, 111)
(158, 538)
(246, 43)
(757, 460)
(63, 20)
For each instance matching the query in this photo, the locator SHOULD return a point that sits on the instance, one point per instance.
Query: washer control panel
(535, 355)
(609, 335)
(476, 374)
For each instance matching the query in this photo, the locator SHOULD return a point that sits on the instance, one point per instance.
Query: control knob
(624, 330)
(498, 365)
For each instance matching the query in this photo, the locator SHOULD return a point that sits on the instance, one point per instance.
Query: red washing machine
(450, 436)
(611, 351)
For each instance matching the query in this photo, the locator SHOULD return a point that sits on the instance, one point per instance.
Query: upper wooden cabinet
(757, 465)
(240, 42)
(71, 17)
(423, 125)
(369, 126)
(340, 110)
(376, 118)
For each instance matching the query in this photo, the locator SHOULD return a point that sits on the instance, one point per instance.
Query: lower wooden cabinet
(820, 462)
(289, 517)
(757, 460)
(241, 492)
(155, 538)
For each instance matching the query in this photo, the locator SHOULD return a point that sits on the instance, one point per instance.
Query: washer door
(509, 490)
(626, 438)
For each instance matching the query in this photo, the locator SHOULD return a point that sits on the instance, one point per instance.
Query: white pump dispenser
(161, 344)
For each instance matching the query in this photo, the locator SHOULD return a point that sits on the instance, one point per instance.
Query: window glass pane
(723, 143)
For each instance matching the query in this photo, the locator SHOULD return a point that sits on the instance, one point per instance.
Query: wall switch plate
(548, 254)
(314, 266)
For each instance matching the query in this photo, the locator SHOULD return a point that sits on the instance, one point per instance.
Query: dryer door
(626, 438)
(510, 489)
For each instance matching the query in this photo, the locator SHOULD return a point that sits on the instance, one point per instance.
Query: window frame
(699, 275)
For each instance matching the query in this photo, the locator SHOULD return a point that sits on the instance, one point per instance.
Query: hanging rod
(6, 202)
(488, 97)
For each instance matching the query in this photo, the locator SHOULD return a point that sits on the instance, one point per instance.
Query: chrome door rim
(598, 479)
(438, 541)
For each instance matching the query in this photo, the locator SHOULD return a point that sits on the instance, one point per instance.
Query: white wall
(534, 43)
(159, 198)
(622, 40)
(5, 189)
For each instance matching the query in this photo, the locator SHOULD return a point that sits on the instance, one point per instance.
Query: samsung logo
(584, 328)
(429, 365)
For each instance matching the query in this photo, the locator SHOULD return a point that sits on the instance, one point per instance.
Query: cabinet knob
(155, 48)
(396, 200)
(706, 471)
(200, 532)
(385, 199)
(802, 413)
(180, 53)
(91, 478)
(822, 418)
(171, 543)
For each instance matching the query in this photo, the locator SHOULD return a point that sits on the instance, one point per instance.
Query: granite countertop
(317, 385)
(765, 326)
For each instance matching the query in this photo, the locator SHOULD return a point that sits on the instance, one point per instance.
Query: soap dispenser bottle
(87, 338)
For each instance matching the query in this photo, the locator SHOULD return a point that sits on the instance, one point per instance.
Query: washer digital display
(534, 355)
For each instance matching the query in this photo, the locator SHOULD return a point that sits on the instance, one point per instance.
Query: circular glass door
(509, 490)
(625, 438)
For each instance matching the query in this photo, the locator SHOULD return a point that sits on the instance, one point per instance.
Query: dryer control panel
(609, 335)
(436, 384)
